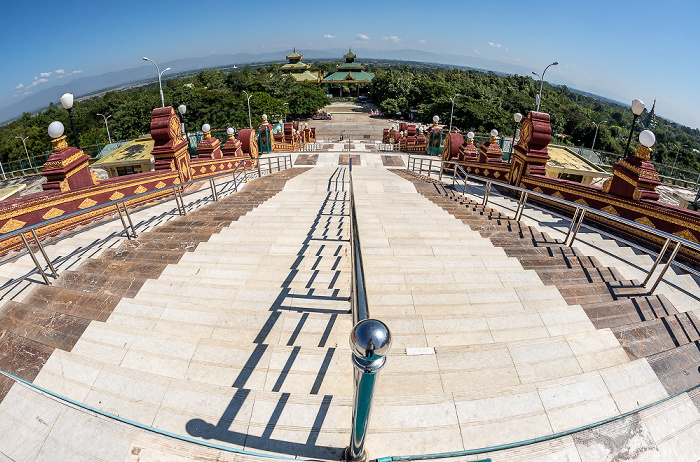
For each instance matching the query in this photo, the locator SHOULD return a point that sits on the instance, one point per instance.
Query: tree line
(486, 101)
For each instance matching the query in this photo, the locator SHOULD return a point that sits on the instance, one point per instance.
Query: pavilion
(299, 71)
(349, 72)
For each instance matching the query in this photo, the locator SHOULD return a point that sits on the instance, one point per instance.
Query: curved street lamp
(30, 161)
(596, 132)
(67, 103)
(539, 96)
(103, 116)
(453, 98)
(250, 123)
(637, 109)
(160, 85)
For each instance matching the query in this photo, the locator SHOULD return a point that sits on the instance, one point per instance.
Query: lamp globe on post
(517, 117)
(229, 132)
(206, 129)
(646, 141)
(58, 140)
(637, 109)
(67, 103)
(182, 109)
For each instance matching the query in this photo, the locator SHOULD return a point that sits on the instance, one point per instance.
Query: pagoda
(299, 71)
(349, 72)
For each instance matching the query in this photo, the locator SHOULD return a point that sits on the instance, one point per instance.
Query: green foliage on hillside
(215, 98)
(487, 101)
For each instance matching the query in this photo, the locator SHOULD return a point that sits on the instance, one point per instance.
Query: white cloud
(495, 45)
(363, 36)
(46, 74)
(477, 52)
(21, 85)
(328, 36)
(421, 41)
(392, 38)
(77, 72)
(60, 71)
(37, 82)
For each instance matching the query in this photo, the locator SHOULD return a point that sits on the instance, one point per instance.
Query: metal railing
(576, 221)
(239, 175)
(370, 341)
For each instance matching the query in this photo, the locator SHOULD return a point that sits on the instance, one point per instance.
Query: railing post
(128, 217)
(662, 252)
(213, 190)
(442, 167)
(370, 341)
(182, 201)
(571, 226)
(487, 190)
(578, 226)
(666, 266)
(521, 206)
(278, 164)
(36, 261)
(121, 217)
(43, 252)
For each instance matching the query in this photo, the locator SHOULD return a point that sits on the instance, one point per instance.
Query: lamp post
(182, 109)
(285, 110)
(250, 121)
(674, 160)
(596, 132)
(517, 117)
(27, 152)
(453, 98)
(637, 109)
(107, 127)
(160, 85)
(539, 96)
(67, 103)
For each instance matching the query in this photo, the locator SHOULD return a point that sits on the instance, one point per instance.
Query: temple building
(348, 73)
(299, 71)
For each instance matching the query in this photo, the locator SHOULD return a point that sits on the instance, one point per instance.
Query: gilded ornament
(117, 195)
(87, 203)
(12, 225)
(52, 213)
(140, 190)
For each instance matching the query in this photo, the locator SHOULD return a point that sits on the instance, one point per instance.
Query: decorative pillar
(67, 167)
(249, 145)
(490, 151)
(209, 147)
(530, 156)
(170, 148)
(232, 147)
(635, 177)
(469, 152)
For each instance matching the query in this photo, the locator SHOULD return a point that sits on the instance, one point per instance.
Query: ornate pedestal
(67, 168)
(530, 154)
(170, 148)
(634, 177)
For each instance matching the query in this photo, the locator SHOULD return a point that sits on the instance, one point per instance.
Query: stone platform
(231, 325)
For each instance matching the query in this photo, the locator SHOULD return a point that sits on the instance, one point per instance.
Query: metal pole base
(361, 458)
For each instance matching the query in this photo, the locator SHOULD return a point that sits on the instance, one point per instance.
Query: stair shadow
(309, 449)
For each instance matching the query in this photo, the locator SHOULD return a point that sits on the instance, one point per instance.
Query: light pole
(517, 117)
(67, 103)
(285, 110)
(596, 132)
(674, 160)
(637, 109)
(250, 123)
(452, 110)
(539, 96)
(182, 109)
(160, 85)
(30, 161)
(108, 136)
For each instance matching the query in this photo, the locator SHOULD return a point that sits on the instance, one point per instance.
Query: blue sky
(616, 48)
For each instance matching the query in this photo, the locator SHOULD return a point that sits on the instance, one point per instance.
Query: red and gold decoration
(490, 151)
(170, 149)
(530, 154)
(635, 177)
(66, 168)
(209, 147)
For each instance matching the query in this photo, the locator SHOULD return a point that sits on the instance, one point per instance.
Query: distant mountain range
(91, 85)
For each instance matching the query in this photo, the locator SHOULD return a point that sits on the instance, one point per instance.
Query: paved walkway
(243, 341)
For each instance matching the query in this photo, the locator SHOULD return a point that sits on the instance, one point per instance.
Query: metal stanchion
(213, 190)
(43, 252)
(128, 217)
(370, 341)
(36, 261)
(121, 217)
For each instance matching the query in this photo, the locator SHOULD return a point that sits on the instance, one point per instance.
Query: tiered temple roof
(349, 71)
(298, 70)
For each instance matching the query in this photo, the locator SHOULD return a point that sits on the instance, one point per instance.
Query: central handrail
(360, 310)
(576, 221)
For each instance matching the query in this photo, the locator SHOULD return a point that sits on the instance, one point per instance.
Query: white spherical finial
(517, 117)
(647, 138)
(55, 129)
(67, 100)
(206, 128)
(436, 118)
(229, 130)
(470, 135)
(494, 133)
(182, 108)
